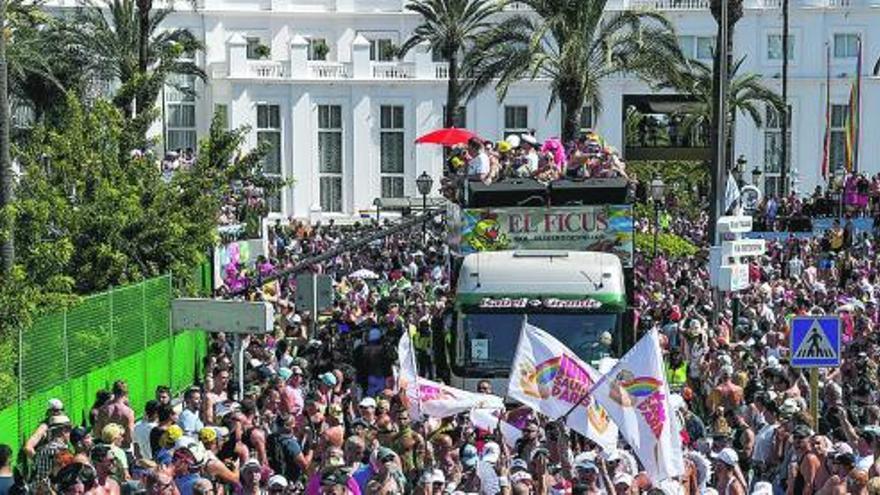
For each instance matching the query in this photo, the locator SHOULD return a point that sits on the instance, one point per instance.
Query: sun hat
(528, 138)
(59, 421)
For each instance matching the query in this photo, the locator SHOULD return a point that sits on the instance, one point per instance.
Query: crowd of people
(524, 156)
(318, 411)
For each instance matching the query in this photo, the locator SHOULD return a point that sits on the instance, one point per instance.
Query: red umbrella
(446, 137)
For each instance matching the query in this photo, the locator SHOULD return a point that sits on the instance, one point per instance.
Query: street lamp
(657, 190)
(741, 163)
(756, 176)
(377, 202)
(424, 183)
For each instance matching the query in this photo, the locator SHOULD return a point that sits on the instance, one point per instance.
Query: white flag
(636, 396)
(435, 399)
(438, 400)
(731, 192)
(406, 359)
(549, 378)
(488, 420)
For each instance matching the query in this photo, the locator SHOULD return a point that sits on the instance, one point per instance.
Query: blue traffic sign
(815, 342)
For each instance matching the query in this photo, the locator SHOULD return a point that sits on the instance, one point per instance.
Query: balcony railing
(329, 70)
(266, 69)
(839, 3)
(441, 70)
(669, 4)
(393, 70)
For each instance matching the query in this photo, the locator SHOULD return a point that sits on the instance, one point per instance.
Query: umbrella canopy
(446, 137)
(364, 274)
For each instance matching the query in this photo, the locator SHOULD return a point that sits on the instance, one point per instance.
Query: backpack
(277, 454)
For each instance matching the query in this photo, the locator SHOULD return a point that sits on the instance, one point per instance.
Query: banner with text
(606, 228)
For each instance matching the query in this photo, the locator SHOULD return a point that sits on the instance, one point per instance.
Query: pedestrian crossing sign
(815, 342)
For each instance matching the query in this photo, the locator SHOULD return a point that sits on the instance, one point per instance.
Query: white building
(345, 115)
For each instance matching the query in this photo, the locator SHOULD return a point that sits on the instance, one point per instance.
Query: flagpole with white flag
(636, 395)
(731, 192)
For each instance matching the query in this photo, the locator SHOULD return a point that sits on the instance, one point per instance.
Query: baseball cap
(847, 459)
(469, 455)
(78, 434)
(385, 454)
(728, 456)
(367, 402)
(334, 477)
(55, 405)
(539, 451)
(285, 373)
(59, 420)
(622, 478)
(586, 465)
(251, 464)
(328, 379)
(802, 431)
(296, 370)
(518, 464)
(278, 480)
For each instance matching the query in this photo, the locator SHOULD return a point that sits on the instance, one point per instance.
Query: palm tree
(746, 95)
(575, 45)
(116, 47)
(451, 27)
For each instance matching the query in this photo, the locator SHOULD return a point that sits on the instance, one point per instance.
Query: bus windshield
(486, 342)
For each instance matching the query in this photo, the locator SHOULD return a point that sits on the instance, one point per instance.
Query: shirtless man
(104, 462)
(805, 463)
(727, 394)
(117, 411)
(836, 484)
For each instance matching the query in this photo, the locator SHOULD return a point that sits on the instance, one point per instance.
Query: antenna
(595, 285)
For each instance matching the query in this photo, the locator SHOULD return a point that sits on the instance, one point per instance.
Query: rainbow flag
(852, 118)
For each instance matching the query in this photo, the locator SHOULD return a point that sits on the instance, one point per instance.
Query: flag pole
(858, 109)
(826, 154)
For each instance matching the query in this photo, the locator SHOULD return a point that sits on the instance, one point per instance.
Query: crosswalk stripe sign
(815, 342)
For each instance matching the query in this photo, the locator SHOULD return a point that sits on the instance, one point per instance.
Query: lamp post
(378, 204)
(657, 190)
(741, 163)
(756, 176)
(424, 183)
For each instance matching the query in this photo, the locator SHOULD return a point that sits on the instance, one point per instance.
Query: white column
(237, 56)
(360, 58)
(299, 57)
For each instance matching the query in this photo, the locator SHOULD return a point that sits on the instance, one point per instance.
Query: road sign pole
(814, 397)
(314, 305)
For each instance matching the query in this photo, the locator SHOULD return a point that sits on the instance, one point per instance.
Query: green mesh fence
(123, 334)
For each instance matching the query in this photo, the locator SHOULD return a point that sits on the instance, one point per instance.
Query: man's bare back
(116, 411)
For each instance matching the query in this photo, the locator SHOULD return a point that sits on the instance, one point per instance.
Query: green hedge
(670, 245)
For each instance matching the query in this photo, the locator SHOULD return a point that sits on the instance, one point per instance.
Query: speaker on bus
(514, 192)
(588, 192)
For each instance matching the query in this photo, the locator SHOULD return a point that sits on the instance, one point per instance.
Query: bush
(670, 245)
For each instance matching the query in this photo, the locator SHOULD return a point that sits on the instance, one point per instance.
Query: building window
(221, 113)
(774, 46)
(318, 49)
(516, 120)
(586, 118)
(382, 50)
(391, 150)
(253, 47)
(180, 113)
(330, 156)
(773, 150)
(837, 151)
(697, 47)
(269, 132)
(460, 118)
(846, 45)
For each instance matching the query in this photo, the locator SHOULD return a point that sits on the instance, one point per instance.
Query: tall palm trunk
(7, 250)
(453, 92)
(144, 9)
(572, 100)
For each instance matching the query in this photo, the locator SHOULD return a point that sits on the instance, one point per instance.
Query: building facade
(318, 79)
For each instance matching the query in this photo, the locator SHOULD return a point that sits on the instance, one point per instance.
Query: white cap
(528, 138)
(278, 480)
(762, 488)
(728, 456)
(367, 402)
(513, 140)
(518, 464)
(520, 476)
(56, 405)
(623, 478)
(437, 476)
